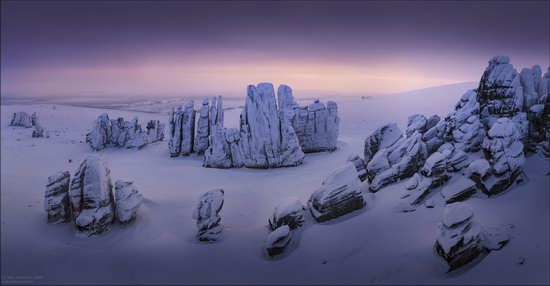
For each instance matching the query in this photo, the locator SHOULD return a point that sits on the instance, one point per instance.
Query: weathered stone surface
(121, 133)
(405, 158)
(203, 129)
(291, 214)
(91, 197)
(339, 194)
(458, 190)
(384, 137)
(127, 200)
(56, 201)
(207, 215)
(360, 166)
(459, 240)
(21, 118)
(182, 130)
(504, 152)
(278, 240)
(265, 139)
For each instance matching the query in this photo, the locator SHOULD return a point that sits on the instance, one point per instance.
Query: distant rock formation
(121, 133)
(459, 239)
(264, 140)
(56, 201)
(207, 215)
(339, 194)
(316, 125)
(91, 197)
(127, 201)
(23, 119)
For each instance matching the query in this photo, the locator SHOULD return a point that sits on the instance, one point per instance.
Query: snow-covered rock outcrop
(316, 125)
(278, 240)
(91, 197)
(182, 130)
(121, 133)
(127, 200)
(339, 194)
(209, 117)
(56, 201)
(264, 139)
(504, 152)
(360, 166)
(459, 239)
(23, 119)
(291, 214)
(207, 215)
(488, 129)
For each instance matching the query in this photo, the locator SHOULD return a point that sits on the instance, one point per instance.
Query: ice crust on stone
(91, 197)
(56, 200)
(278, 240)
(121, 133)
(339, 194)
(207, 215)
(128, 201)
(290, 213)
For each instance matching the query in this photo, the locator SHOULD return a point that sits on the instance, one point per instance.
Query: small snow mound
(456, 213)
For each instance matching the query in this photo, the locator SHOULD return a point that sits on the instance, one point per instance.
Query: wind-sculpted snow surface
(91, 197)
(121, 133)
(264, 139)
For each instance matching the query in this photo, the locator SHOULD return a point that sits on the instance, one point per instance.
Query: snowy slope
(377, 245)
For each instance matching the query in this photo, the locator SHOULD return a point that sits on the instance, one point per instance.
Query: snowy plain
(376, 245)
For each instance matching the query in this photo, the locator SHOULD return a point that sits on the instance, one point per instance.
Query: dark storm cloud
(81, 34)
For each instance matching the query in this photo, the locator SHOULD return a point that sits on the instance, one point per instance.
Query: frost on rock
(384, 137)
(121, 133)
(91, 197)
(291, 214)
(458, 190)
(360, 166)
(128, 200)
(207, 215)
(182, 130)
(339, 194)
(209, 117)
(420, 123)
(278, 240)
(504, 152)
(459, 239)
(22, 119)
(432, 175)
(56, 201)
(265, 138)
(404, 157)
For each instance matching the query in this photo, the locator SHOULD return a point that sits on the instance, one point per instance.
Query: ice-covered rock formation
(278, 240)
(207, 215)
(504, 152)
(316, 125)
(23, 119)
(121, 133)
(360, 166)
(398, 161)
(459, 239)
(127, 200)
(182, 130)
(339, 194)
(91, 196)
(384, 137)
(56, 201)
(264, 139)
(291, 214)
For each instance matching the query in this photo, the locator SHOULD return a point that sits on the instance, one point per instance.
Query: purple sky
(205, 48)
